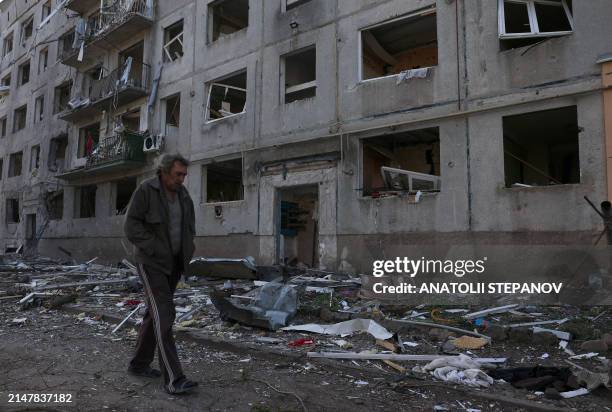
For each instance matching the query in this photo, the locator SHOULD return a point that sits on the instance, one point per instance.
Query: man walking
(160, 222)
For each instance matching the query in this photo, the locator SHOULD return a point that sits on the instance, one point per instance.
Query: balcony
(121, 86)
(119, 153)
(82, 6)
(115, 24)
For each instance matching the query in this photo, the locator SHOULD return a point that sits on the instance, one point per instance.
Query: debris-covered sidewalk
(445, 358)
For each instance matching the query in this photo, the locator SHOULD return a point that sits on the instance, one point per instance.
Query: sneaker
(181, 386)
(147, 372)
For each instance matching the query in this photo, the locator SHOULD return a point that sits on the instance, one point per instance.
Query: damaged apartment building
(327, 133)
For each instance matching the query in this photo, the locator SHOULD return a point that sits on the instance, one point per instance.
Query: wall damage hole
(401, 44)
(404, 162)
(54, 203)
(12, 210)
(223, 181)
(227, 97)
(85, 202)
(226, 17)
(300, 74)
(15, 164)
(541, 148)
(124, 189)
(173, 42)
(525, 22)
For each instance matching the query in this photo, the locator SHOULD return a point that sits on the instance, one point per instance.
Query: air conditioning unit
(398, 179)
(153, 143)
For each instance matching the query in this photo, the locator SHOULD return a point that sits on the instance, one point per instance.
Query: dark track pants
(156, 327)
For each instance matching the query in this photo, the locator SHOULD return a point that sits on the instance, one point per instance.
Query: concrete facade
(473, 87)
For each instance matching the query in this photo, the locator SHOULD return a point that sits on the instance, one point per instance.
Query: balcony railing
(116, 13)
(122, 147)
(137, 76)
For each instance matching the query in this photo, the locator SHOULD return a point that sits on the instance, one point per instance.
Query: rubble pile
(552, 353)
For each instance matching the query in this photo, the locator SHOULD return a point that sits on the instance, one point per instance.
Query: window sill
(534, 35)
(565, 186)
(224, 118)
(363, 81)
(406, 197)
(227, 203)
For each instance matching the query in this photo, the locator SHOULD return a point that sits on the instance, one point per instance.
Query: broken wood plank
(543, 322)
(393, 357)
(395, 366)
(499, 309)
(87, 283)
(561, 335)
(435, 325)
(387, 345)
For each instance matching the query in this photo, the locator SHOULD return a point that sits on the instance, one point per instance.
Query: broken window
(57, 153)
(12, 211)
(85, 202)
(173, 42)
(6, 81)
(19, 118)
(66, 42)
(402, 162)
(46, 10)
(24, 73)
(227, 97)
(291, 4)
(3, 123)
(62, 97)
(172, 108)
(35, 157)
(131, 120)
(7, 46)
(227, 17)
(15, 164)
(39, 109)
(54, 201)
(541, 148)
(27, 28)
(224, 181)
(404, 43)
(520, 20)
(300, 75)
(43, 60)
(89, 137)
(124, 189)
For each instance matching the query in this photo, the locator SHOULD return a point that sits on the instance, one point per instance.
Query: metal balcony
(121, 86)
(119, 153)
(115, 24)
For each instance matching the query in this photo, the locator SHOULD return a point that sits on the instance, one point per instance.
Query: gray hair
(168, 160)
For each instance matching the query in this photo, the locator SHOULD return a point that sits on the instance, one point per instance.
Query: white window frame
(533, 19)
(178, 38)
(227, 86)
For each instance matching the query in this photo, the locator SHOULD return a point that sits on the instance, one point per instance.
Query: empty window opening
(524, 22)
(39, 109)
(57, 153)
(31, 226)
(54, 202)
(43, 60)
(1, 168)
(12, 211)
(172, 109)
(7, 44)
(3, 126)
(300, 75)
(297, 236)
(15, 164)
(46, 10)
(85, 202)
(89, 137)
(24, 73)
(6, 81)
(224, 181)
(65, 45)
(541, 148)
(131, 120)
(405, 43)
(402, 162)
(35, 157)
(62, 97)
(227, 17)
(27, 28)
(173, 42)
(19, 118)
(124, 189)
(227, 97)
(291, 4)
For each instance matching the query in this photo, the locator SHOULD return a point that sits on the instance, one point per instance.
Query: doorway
(297, 226)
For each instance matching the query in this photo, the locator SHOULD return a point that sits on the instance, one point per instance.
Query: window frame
(166, 57)
(533, 19)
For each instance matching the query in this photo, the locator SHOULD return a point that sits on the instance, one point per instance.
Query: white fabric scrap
(470, 377)
(345, 328)
(412, 74)
(460, 362)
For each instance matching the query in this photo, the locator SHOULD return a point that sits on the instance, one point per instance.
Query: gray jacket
(146, 226)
